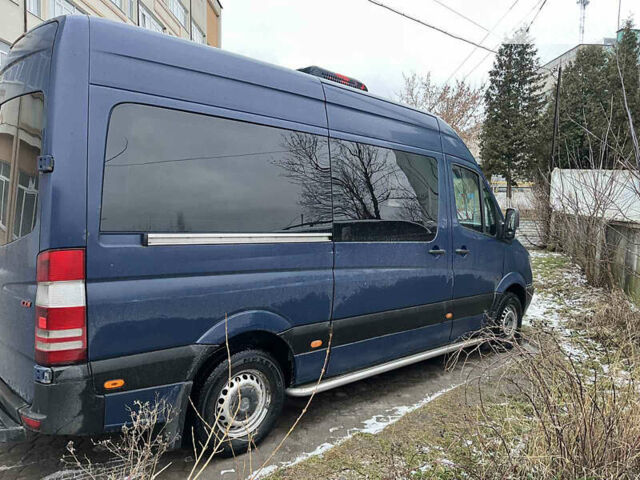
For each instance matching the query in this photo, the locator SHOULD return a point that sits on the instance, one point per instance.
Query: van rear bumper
(68, 406)
(75, 401)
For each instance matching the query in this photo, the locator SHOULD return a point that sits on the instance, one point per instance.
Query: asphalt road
(368, 405)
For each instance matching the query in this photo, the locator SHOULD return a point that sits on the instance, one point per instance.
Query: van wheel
(239, 409)
(508, 320)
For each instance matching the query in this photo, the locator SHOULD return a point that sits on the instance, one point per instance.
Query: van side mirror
(511, 224)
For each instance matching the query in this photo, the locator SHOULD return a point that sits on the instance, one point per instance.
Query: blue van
(162, 200)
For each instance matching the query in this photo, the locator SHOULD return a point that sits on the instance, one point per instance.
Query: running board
(309, 388)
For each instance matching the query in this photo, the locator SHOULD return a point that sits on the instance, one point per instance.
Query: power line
(483, 39)
(430, 26)
(542, 3)
(536, 15)
(461, 15)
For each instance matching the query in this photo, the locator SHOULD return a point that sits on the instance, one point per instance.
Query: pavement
(365, 406)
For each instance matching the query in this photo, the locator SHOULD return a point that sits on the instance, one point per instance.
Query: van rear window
(20, 145)
(173, 171)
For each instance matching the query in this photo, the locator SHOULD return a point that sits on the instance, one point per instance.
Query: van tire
(220, 402)
(507, 322)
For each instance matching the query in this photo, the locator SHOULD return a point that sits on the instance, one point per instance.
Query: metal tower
(583, 13)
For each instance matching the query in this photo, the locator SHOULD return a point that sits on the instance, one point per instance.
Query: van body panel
(170, 296)
(27, 70)
(510, 279)
(452, 144)
(478, 273)
(362, 115)
(63, 198)
(385, 289)
(517, 264)
(129, 58)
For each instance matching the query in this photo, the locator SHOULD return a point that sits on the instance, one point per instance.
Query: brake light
(61, 325)
(334, 77)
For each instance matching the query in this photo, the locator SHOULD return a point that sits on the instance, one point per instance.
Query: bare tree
(459, 104)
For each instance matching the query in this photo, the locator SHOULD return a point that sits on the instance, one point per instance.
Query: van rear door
(23, 83)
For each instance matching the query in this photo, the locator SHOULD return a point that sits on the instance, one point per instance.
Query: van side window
(490, 212)
(467, 194)
(381, 194)
(20, 145)
(173, 171)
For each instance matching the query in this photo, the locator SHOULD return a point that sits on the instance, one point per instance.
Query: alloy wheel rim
(243, 404)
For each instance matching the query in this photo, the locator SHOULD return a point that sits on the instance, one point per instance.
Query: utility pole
(619, 12)
(24, 14)
(548, 220)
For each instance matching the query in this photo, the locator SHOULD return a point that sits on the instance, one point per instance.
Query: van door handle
(462, 251)
(437, 251)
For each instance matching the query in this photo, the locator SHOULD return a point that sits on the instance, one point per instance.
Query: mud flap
(10, 430)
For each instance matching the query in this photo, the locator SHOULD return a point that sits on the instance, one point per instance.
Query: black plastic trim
(161, 367)
(364, 327)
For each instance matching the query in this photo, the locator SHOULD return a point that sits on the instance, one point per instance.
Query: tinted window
(381, 194)
(173, 171)
(467, 194)
(490, 212)
(20, 145)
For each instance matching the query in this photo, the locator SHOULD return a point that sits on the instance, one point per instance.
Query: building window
(132, 10)
(179, 11)
(117, 3)
(148, 21)
(196, 34)
(383, 195)
(173, 171)
(33, 6)
(4, 53)
(63, 7)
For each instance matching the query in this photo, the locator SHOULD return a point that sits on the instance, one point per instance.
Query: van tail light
(61, 318)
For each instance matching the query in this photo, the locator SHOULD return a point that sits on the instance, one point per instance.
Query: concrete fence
(596, 219)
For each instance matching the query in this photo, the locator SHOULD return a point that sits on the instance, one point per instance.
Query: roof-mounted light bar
(334, 77)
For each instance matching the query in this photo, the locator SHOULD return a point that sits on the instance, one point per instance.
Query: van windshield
(21, 121)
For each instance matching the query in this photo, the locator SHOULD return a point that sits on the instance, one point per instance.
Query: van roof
(110, 38)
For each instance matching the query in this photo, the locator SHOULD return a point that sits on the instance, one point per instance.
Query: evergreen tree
(624, 70)
(513, 104)
(583, 108)
(593, 128)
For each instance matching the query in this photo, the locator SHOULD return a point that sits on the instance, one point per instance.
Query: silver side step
(309, 388)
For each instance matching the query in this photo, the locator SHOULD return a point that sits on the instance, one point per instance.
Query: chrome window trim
(158, 239)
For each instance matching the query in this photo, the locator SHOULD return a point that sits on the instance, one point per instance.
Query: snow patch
(373, 425)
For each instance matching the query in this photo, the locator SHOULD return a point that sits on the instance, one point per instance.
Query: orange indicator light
(113, 384)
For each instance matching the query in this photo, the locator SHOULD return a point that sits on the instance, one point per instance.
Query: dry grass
(134, 455)
(566, 419)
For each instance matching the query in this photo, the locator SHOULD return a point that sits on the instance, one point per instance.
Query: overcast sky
(374, 45)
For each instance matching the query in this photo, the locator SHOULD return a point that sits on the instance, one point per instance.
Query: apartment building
(197, 20)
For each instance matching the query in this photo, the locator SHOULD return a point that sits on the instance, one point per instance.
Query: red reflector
(31, 423)
(60, 265)
(60, 318)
